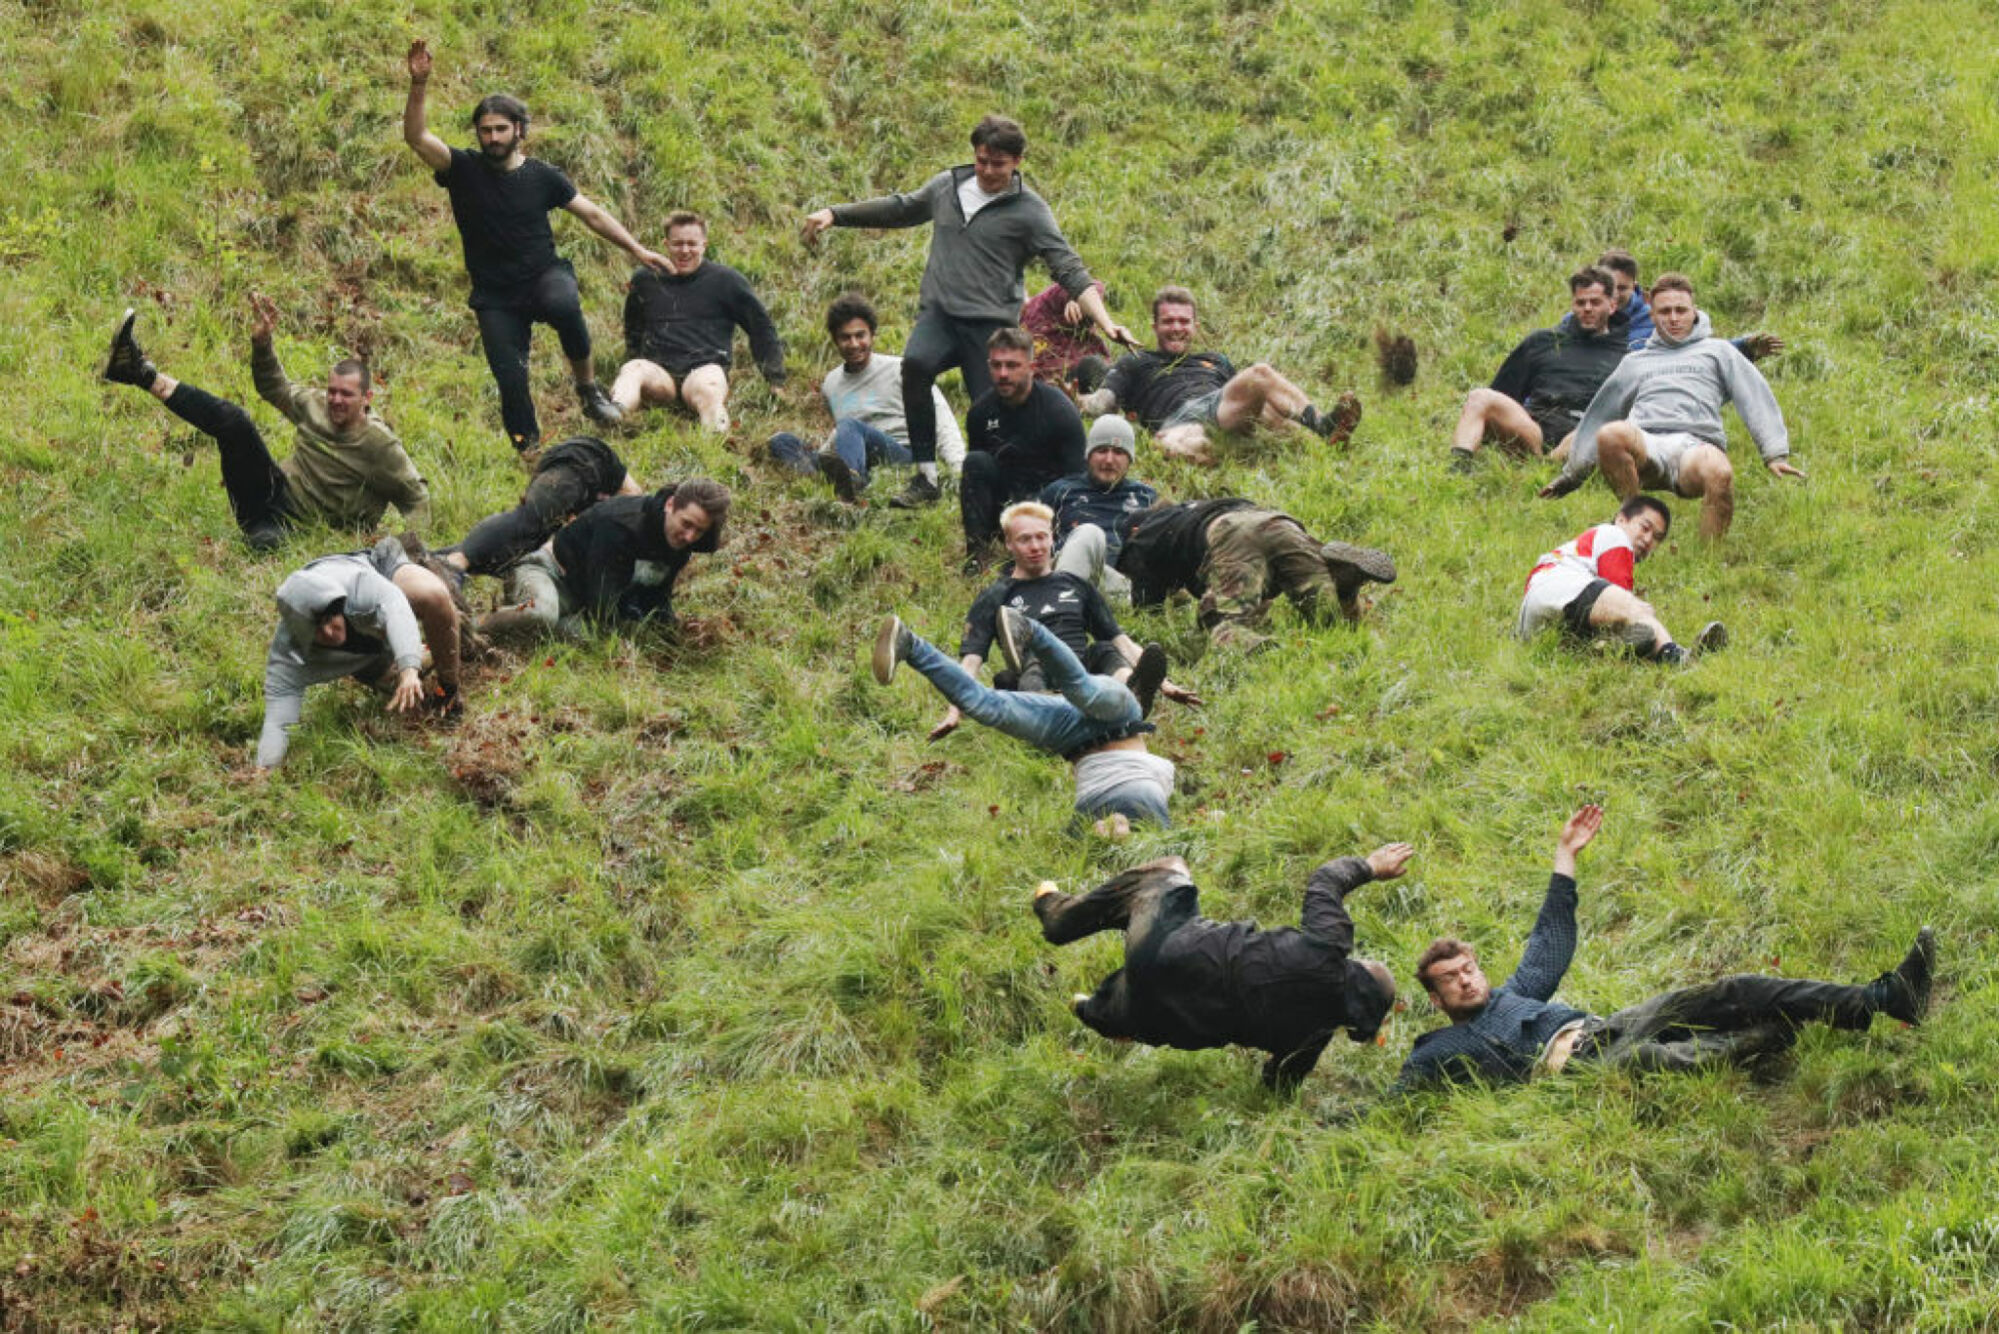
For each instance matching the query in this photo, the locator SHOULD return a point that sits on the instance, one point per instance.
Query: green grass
(685, 986)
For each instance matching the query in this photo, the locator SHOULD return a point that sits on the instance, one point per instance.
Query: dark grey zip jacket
(974, 270)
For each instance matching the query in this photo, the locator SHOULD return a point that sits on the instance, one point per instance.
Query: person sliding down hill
(1586, 585)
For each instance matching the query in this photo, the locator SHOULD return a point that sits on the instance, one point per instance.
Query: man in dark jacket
(568, 480)
(1545, 384)
(1020, 436)
(1096, 508)
(617, 563)
(680, 326)
(985, 225)
(1506, 1034)
(1238, 558)
(1191, 983)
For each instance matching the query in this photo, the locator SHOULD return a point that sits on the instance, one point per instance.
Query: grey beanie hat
(1114, 432)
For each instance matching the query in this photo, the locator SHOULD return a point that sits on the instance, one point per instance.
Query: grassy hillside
(684, 985)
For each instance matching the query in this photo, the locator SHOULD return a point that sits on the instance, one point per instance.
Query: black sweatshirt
(1282, 991)
(1168, 546)
(598, 554)
(682, 322)
(1040, 439)
(1561, 368)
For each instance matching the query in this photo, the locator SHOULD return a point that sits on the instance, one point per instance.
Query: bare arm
(1097, 402)
(597, 220)
(1092, 302)
(436, 154)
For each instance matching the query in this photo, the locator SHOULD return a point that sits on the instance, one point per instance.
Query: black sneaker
(1712, 638)
(1906, 991)
(1352, 566)
(128, 364)
(597, 404)
(840, 475)
(891, 647)
(1147, 675)
(446, 704)
(1672, 655)
(921, 493)
(1014, 633)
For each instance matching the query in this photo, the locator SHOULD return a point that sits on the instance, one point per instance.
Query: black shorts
(1576, 615)
(1555, 424)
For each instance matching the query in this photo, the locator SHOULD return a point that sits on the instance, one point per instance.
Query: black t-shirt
(1152, 384)
(1072, 609)
(1036, 441)
(502, 217)
(591, 459)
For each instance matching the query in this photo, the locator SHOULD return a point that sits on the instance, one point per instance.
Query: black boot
(1147, 675)
(128, 364)
(1904, 994)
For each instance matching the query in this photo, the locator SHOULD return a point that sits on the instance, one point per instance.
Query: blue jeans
(1088, 709)
(859, 445)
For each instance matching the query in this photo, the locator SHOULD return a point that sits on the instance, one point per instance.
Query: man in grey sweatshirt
(985, 225)
(366, 615)
(1656, 422)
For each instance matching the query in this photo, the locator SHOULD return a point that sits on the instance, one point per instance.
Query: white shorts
(1663, 454)
(1547, 595)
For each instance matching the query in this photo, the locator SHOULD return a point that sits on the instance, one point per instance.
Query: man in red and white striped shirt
(1586, 585)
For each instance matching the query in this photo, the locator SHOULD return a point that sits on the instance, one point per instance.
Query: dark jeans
(936, 344)
(259, 494)
(985, 487)
(506, 330)
(859, 445)
(554, 496)
(1740, 1016)
(1148, 905)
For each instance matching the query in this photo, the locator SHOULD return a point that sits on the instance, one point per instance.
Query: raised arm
(1325, 913)
(1552, 945)
(266, 371)
(597, 220)
(436, 154)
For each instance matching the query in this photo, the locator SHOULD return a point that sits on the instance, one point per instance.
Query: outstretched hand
(1785, 468)
(1760, 345)
(653, 260)
(419, 60)
(263, 317)
(1179, 694)
(815, 223)
(1581, 828)
(1389, 860)
(946, 725)
(408, 694)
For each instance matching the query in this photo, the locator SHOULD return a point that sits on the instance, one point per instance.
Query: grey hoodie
(1669, 386)
(374, 607)
(974, 268)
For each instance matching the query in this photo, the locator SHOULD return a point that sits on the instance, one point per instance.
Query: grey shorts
(1203, 410)
(1663, 456)
(537, 586)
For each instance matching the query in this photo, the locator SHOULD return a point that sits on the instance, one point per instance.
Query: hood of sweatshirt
(302, 599)
(1701, 329)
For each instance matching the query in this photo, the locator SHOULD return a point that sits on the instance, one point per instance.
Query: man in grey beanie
(1096, 508)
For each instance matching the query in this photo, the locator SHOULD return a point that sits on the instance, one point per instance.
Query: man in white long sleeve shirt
(1656, 422)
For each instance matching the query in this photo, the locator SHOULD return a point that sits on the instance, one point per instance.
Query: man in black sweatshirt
(679, 327)
(1238, 558)
(1543, 386)
(1019, 436)
(985, 224)
(1191, 983)
(616, 563)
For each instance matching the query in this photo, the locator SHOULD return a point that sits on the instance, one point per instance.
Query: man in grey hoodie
(1656, 422)
(985, 225)
(366, 615)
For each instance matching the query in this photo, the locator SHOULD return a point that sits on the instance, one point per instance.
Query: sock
(928, 472)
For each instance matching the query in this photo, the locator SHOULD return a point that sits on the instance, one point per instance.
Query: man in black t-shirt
(679, 327)
(500, 199)
(1072, 609)
(1019, 437)
(1178, 394)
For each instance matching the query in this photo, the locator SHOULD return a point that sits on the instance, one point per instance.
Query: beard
(499, 152)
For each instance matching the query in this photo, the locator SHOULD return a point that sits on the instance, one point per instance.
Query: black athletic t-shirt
(502, 217)
(1070, 607)
(1152, 384)
(591, 459)
(1035, 441)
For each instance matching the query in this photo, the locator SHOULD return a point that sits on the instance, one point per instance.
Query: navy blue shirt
(1079, 500)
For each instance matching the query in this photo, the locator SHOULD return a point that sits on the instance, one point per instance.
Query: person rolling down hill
(1586, 586)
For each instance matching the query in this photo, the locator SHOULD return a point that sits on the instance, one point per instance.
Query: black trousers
(259, 494)
(1736, 1017)
(936, 344)
(985, 487)
(1148, 905)
(554, 496)
(506, 330)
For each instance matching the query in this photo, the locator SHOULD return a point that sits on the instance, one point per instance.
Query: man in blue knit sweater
(1508, 1033)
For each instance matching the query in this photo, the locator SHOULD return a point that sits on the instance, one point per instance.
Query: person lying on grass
(1094, 722)
(1508, 1033)
(1191, 983)
(346, 465)
(568, 479)
(367, 615)
(1585, 586)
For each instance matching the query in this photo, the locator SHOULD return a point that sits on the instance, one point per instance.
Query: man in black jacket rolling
(1191, 983)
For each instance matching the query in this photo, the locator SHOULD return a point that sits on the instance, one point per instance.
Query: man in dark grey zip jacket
(985, 225)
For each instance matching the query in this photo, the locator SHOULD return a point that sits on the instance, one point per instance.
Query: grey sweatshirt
(975, 267)
(374, 607)
(1669, 386)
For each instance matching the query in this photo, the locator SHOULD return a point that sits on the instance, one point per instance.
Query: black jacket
(600, 551)
(1563, 367)
(684, 322)
(1168, 546)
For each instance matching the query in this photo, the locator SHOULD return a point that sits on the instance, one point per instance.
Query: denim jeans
(859, 445)
(1088, 709)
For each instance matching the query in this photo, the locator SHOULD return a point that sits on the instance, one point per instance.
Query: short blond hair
(1025, 509)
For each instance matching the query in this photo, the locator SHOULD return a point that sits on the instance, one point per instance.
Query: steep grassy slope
(685, 985)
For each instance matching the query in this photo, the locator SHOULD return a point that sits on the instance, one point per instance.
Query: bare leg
(641, 384)
(437, 614)
(1630, 618)
(1620, 454)
(1706, 473)
(706, 390)
(1259, 394)
(1491, 415)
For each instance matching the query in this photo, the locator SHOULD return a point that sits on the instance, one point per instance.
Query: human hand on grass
(815, 223)
(947, 724)
(1179, 694)
(408, 693)
(1784, 468)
